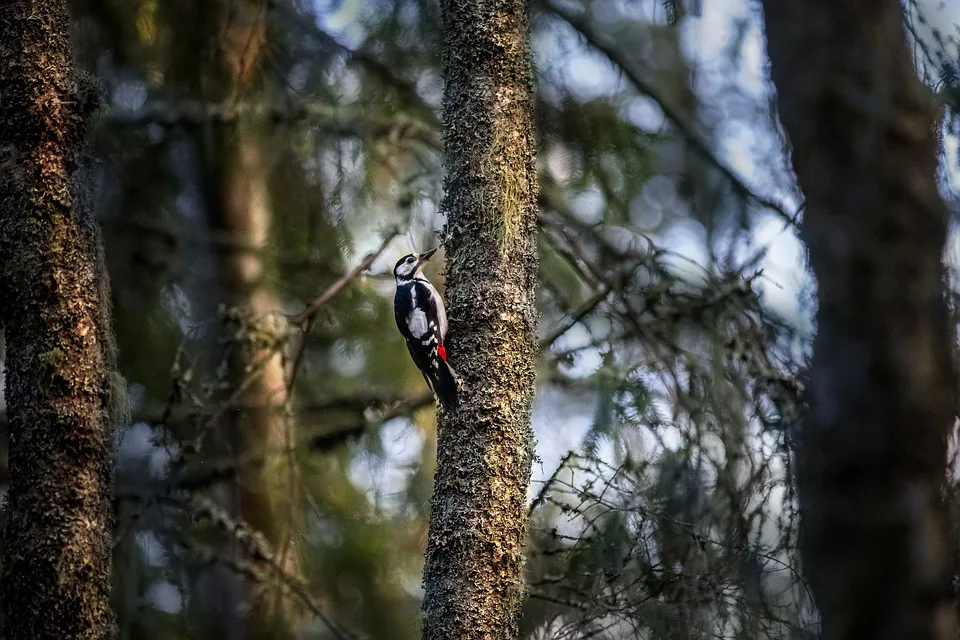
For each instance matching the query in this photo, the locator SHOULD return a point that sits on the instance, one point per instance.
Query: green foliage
(602, 149)
(670, 409)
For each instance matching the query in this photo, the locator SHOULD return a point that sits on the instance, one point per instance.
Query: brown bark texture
(54, 305)
(474, 572)
(871, 453)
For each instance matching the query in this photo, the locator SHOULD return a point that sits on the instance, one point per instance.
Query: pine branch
(363, 58)
(352, 120)
(213, 472)
(601, 43)
(257, 549)
(327, 441)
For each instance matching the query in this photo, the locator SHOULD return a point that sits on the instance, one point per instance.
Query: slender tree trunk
(240, 210)
(474, 573)
(264, 490)
(59, 348)
(235, 185)
(872, 454)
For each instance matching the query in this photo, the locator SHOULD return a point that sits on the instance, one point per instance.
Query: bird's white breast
(417, 323)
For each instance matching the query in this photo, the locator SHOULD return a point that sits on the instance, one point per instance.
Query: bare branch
(327, 441)
(336, 287)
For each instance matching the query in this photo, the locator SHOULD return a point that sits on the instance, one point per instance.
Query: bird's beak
(426, 254)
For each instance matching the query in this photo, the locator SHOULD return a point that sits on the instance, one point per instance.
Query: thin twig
(305, 318)
(576, 317)
(336, 287)
(542, 494)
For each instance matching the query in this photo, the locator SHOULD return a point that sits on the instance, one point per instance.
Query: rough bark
(56, 575)
(474, 573)
(872, 448)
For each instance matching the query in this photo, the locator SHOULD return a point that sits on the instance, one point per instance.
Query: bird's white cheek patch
(417, 321)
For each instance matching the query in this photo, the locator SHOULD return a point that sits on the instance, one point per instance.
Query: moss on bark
(474, 573)
(56, 573)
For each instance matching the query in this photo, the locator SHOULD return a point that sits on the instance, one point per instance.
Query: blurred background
(273, 478)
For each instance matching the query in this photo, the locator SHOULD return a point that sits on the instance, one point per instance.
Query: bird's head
(410, 266)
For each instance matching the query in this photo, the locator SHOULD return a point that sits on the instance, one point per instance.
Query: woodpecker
(422, 319)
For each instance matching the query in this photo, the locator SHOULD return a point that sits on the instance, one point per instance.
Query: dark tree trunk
(474, 573)
(872, 450)
(54, 305)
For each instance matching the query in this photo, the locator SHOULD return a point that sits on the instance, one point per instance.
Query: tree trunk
(872, 451)
(59, 348)
(474, 573)
(239, 209)
(259, 432)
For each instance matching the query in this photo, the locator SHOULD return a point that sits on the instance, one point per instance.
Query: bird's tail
(447, 386)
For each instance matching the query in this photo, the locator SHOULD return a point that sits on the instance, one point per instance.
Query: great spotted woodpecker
(422, 319)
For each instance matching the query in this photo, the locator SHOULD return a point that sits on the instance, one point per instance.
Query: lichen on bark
(56, 567)
(474, 572)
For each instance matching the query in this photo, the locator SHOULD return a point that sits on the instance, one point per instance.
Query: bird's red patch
(442, 350)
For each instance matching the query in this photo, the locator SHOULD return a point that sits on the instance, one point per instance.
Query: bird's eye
(410, 259)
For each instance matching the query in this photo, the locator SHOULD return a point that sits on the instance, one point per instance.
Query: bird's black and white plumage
(422, 320)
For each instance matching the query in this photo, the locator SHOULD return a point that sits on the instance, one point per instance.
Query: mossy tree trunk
(872, 449)
(55, 311)
(474, 573)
